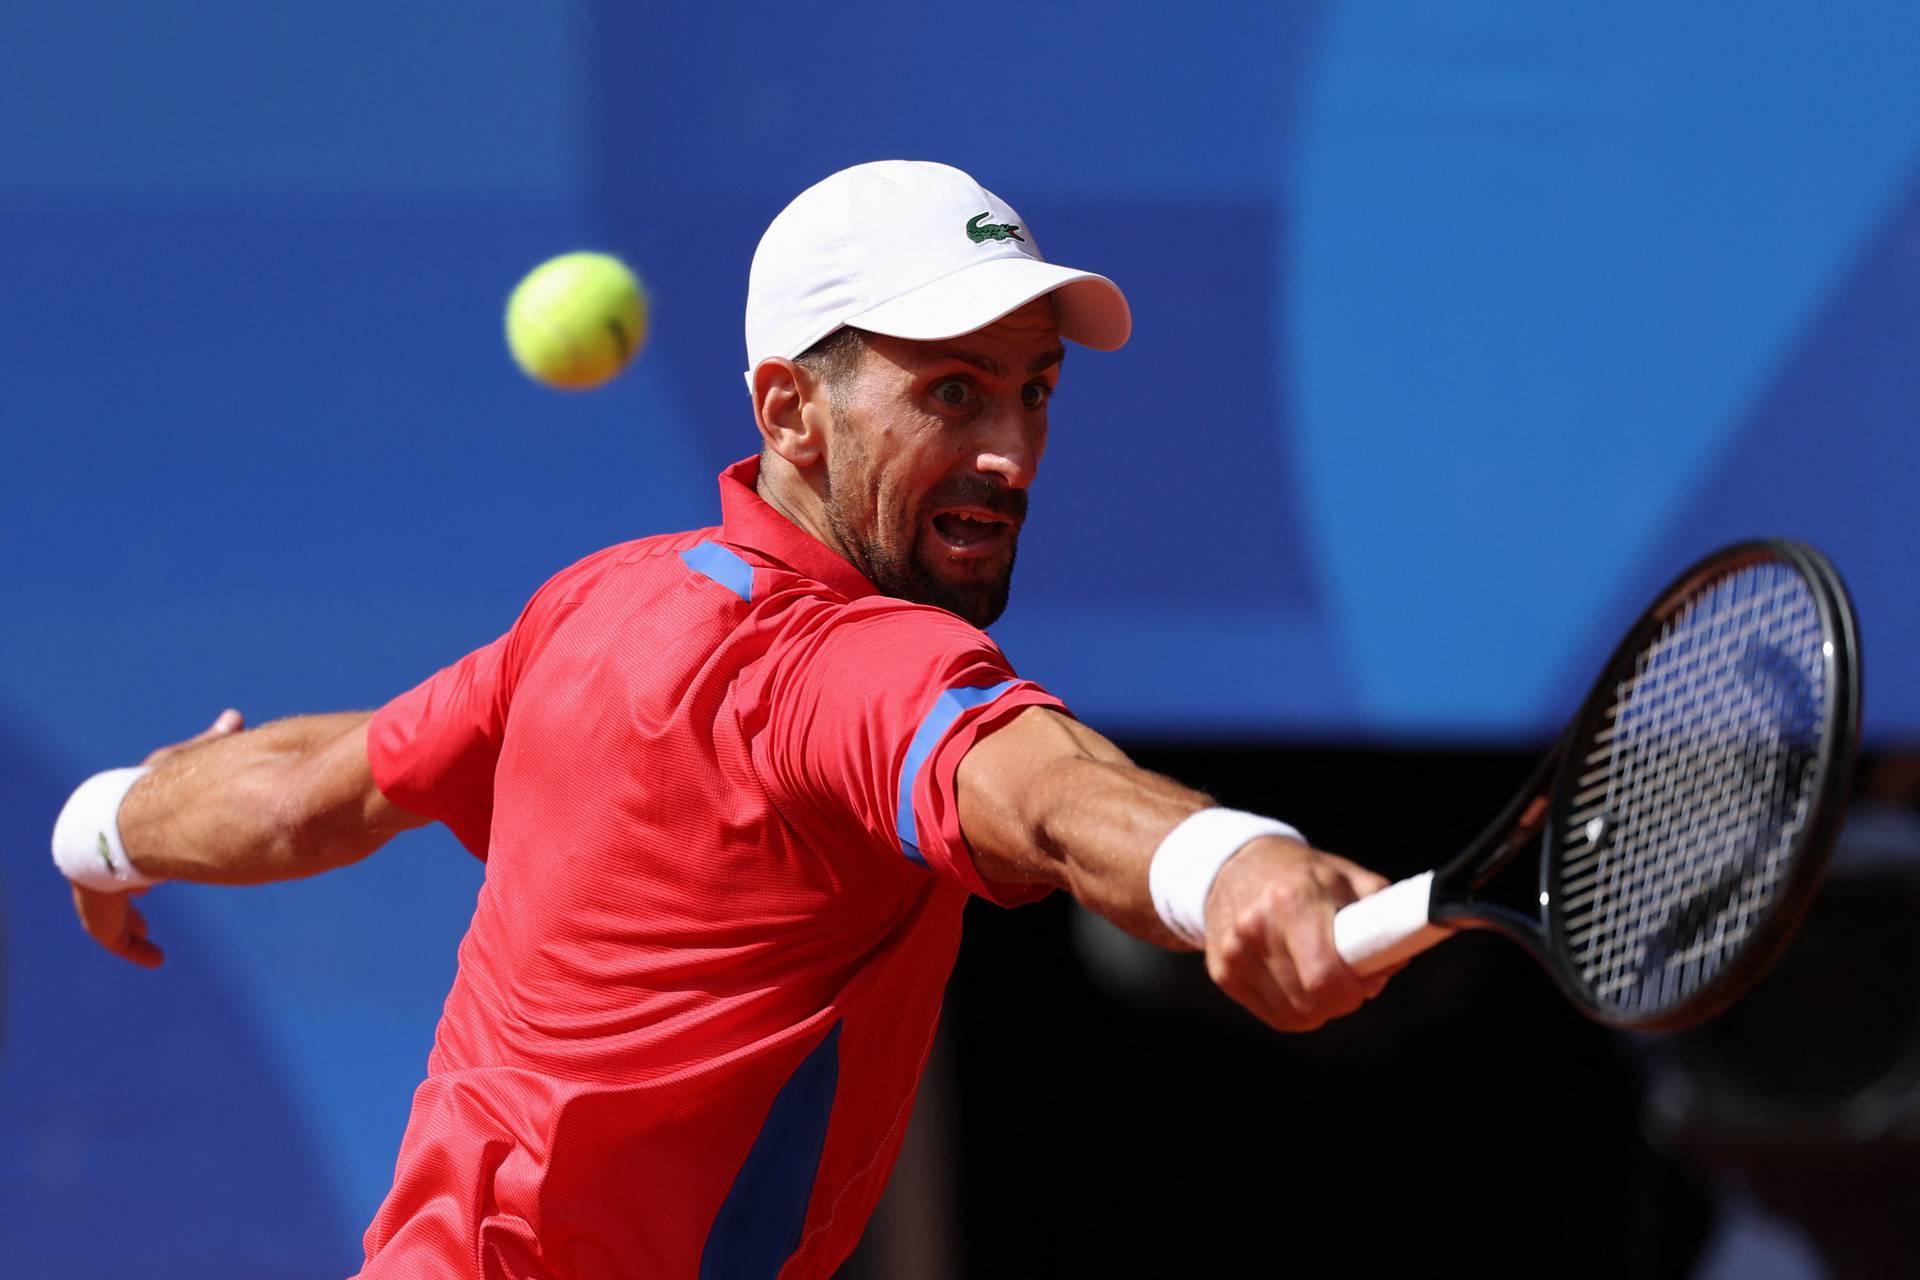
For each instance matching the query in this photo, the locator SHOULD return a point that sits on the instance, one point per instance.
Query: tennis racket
(1681, 824)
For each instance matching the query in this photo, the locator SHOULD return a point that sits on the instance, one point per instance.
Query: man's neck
(782, 487)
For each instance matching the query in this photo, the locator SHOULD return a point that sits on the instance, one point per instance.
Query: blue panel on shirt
(946, 709)
(711, 560)
(759, 1223)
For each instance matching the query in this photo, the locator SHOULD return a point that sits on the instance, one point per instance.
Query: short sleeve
(866, 715)
(433, 749)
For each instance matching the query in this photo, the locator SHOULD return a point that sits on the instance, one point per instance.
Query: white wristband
(86, 836)
(1183, 867)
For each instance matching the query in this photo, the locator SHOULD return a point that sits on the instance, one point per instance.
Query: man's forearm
(1045, 799)
(1101, 820)
(1050, 800)
(289, 799)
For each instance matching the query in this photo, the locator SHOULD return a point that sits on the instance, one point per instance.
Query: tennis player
(734, 785)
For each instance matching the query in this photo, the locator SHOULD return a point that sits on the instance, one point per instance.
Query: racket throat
(1479, 913)
(1519, 832)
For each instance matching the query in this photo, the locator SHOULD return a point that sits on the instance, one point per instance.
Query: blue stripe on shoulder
(711, 560)
(759, 1223)
(946, 709)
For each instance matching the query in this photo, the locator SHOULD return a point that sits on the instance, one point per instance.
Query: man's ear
(790, 408)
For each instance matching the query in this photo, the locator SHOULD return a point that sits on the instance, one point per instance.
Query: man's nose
(1011, 450)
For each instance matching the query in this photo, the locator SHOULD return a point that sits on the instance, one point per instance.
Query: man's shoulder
(639, 555)
(873, 629)
(889, 613)
(621, 578)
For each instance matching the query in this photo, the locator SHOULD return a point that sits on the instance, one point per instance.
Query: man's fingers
(141, 952)
(1364, 883)
(1333, 988)
(1264, 985)
(134, 943)
(111, 920)
(1355, 878)
(99, 914)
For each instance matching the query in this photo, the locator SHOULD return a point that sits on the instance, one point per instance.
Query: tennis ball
(576, 320)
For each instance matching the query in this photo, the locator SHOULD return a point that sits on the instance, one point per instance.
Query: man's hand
(111, 918)
(1270, 933)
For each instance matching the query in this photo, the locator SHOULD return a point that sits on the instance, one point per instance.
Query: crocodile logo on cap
(980, 232)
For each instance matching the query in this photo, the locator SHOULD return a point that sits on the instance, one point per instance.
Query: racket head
(1700, 788)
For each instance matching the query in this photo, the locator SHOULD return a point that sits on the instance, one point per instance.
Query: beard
(899, 565)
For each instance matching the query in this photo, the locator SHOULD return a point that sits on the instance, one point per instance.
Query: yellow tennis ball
(576, 320)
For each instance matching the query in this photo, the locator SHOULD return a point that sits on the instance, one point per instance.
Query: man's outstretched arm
(290, 799)
(1044, 799)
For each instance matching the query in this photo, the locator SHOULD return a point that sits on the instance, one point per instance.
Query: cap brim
(1089, 309)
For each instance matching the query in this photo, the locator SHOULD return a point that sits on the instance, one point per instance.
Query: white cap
(915, 250)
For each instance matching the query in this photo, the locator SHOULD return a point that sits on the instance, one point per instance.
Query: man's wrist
(1184, 866)
(86, 837)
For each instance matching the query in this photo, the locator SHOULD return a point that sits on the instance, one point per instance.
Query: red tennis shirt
(712, 775)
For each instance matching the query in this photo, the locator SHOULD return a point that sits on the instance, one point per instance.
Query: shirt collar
(746, 520)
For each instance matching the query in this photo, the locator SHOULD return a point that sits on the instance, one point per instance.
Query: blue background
(1458, 330)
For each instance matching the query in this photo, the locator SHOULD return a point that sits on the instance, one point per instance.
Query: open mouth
(967, 531)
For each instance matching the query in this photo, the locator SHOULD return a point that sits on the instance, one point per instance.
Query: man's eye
(1035, 394)
(952, 392)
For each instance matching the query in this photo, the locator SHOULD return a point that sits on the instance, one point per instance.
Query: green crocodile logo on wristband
(106, 856)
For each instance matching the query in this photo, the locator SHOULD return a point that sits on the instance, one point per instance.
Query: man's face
(933, 447)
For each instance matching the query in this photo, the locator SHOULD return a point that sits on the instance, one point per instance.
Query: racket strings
(1683, 825)
(1705, 787)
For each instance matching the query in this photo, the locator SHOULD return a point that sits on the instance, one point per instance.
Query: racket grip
(1384, 928)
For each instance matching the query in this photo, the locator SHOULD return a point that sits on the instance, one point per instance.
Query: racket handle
(1384, 928)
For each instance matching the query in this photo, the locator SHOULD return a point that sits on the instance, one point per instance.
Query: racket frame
(1540, 809)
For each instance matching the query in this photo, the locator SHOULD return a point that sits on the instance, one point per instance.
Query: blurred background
(1459, 330)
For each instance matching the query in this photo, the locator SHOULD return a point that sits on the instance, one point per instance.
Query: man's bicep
(1006, 782)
